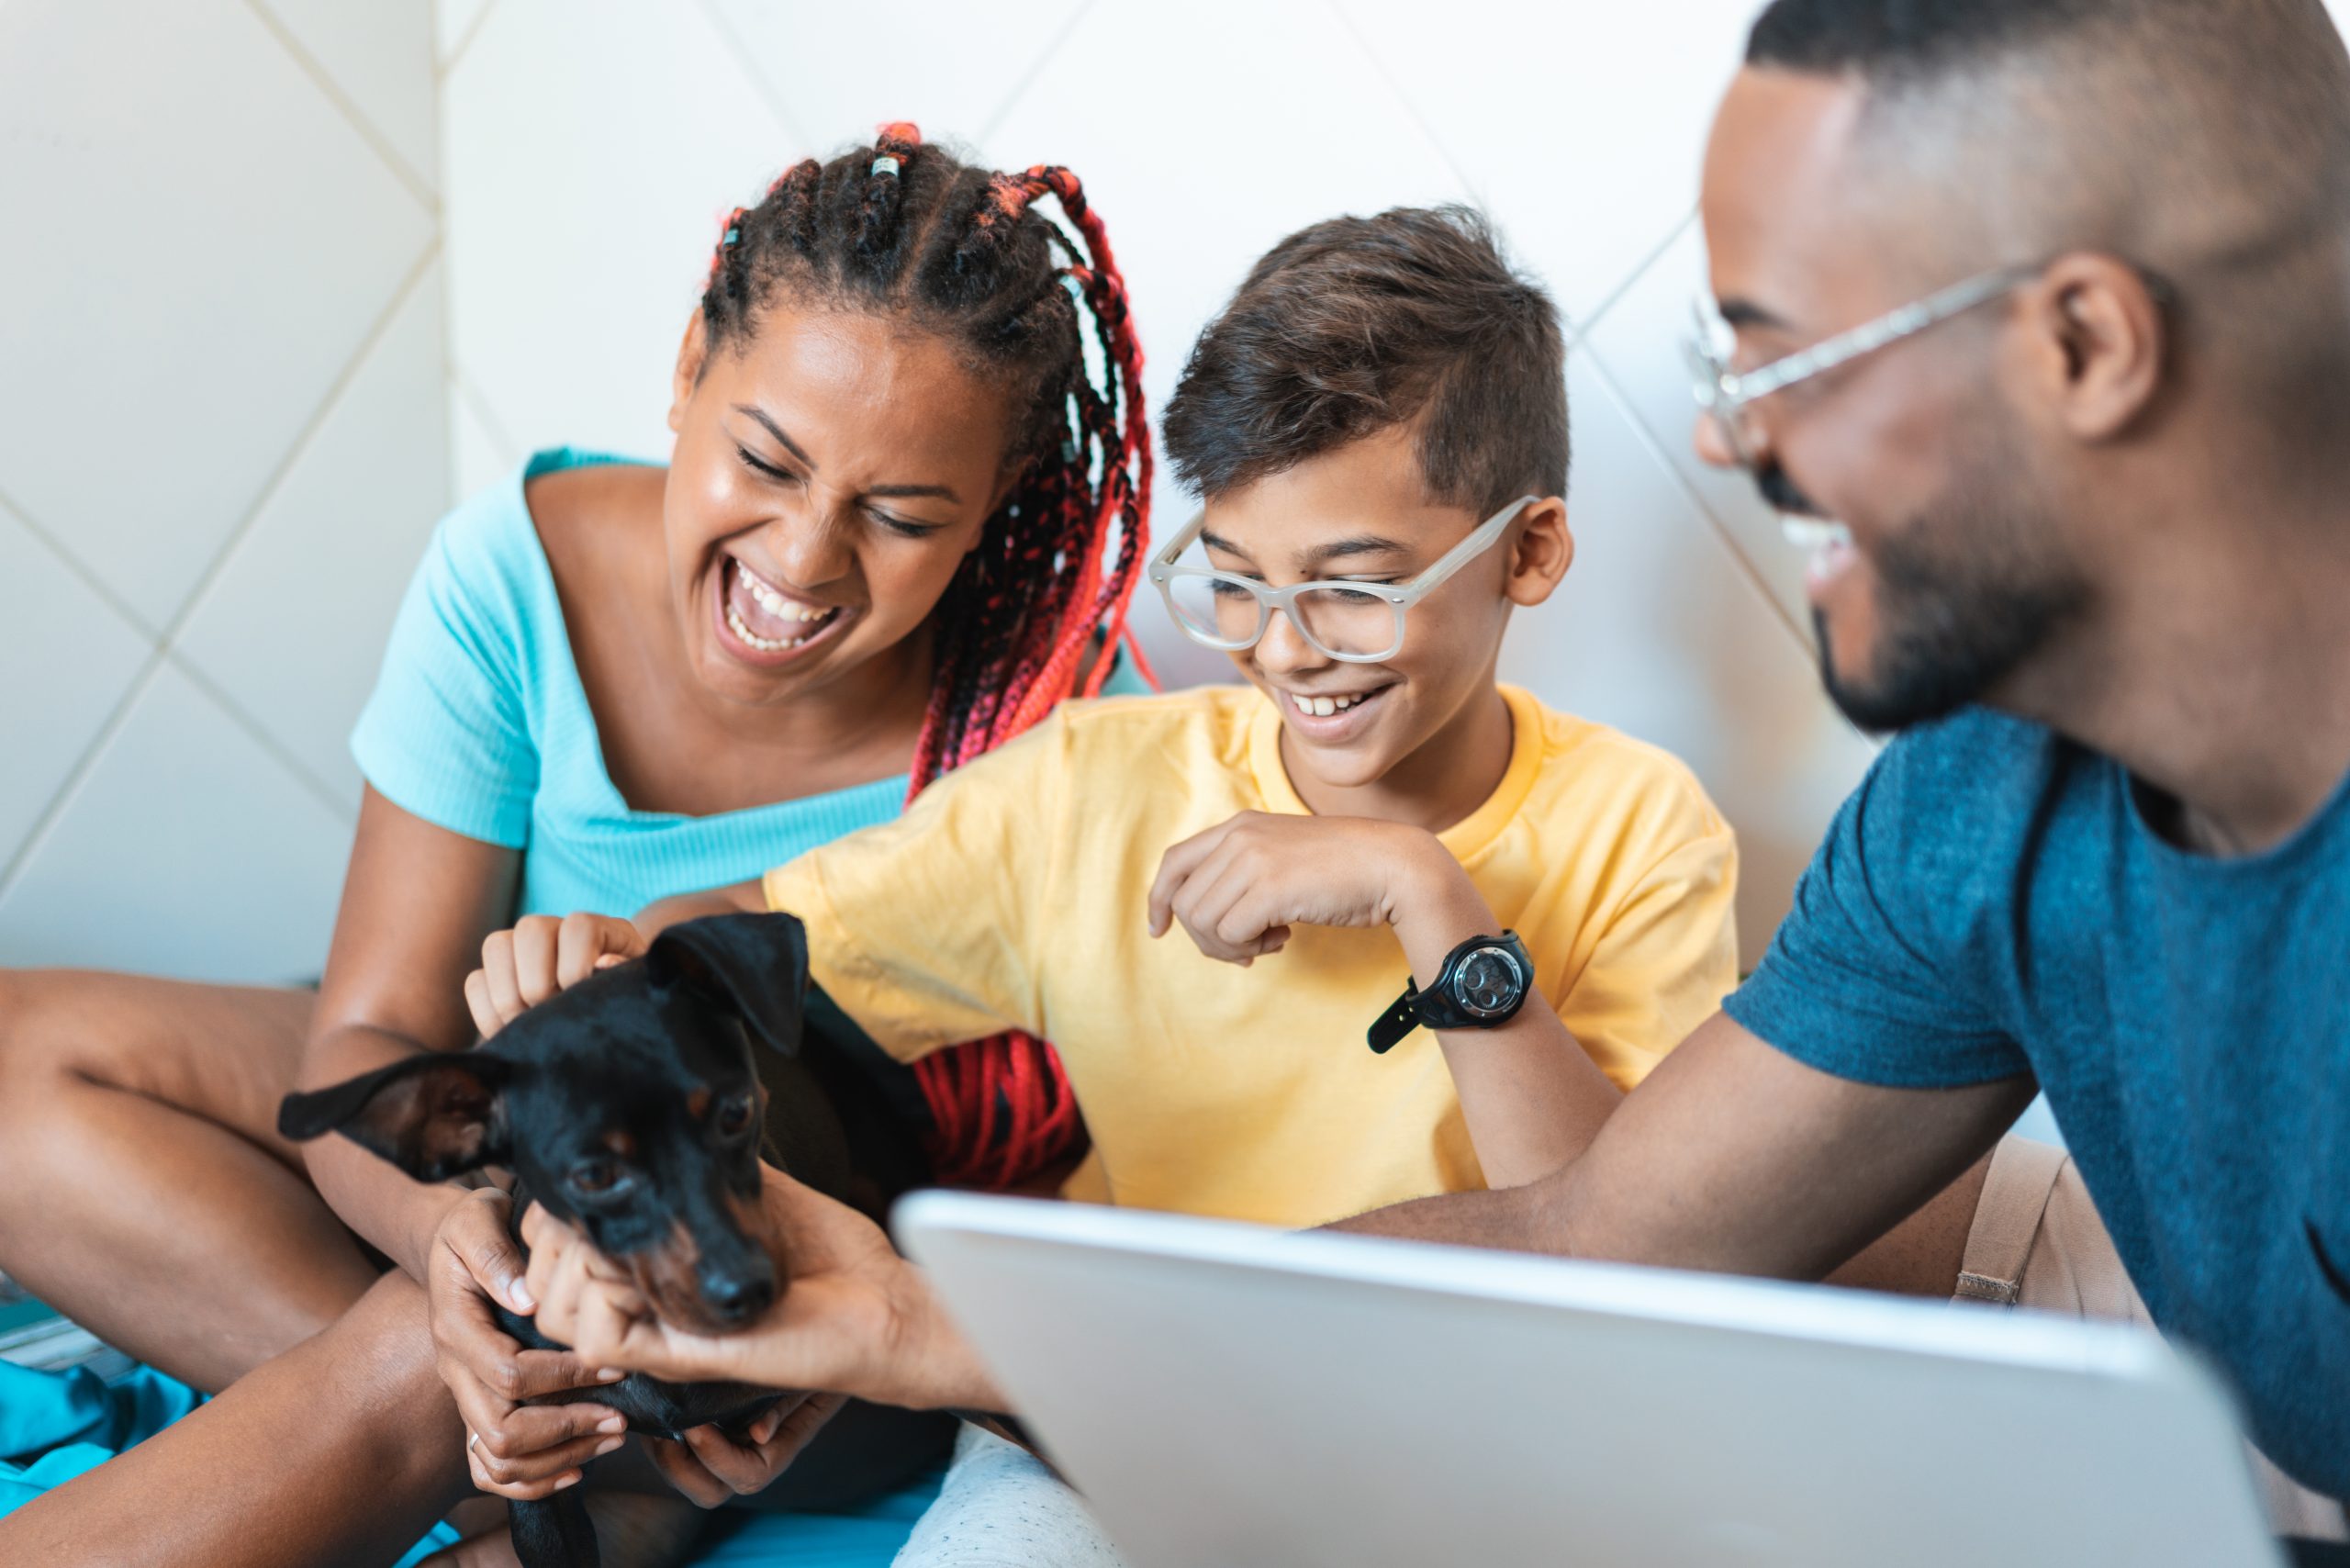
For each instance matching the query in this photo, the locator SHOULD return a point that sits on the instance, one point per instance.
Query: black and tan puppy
(637, 1105)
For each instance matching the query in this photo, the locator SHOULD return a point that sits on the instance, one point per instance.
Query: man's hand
(1239, 887)
(516, 1449)
(855, 1317)
(521, 967)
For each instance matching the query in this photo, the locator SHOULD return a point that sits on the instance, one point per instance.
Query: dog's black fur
(636, 1106)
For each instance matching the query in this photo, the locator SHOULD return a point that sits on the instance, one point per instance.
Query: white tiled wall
(232, 399)
(222, 443)
(589, 147)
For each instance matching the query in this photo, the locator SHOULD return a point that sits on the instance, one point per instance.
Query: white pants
(1003, 1508)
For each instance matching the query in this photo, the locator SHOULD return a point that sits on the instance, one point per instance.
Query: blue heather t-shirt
(1991, 901)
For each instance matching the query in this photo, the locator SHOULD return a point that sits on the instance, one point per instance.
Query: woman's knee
(223, 1054)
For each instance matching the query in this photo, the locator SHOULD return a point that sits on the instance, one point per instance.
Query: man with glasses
(2035, 317)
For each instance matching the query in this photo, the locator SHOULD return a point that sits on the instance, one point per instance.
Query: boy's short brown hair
(1359, 324)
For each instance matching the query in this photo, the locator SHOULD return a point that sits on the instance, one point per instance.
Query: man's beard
(1972, 589)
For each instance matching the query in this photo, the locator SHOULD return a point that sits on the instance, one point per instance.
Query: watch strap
(1389, 1028)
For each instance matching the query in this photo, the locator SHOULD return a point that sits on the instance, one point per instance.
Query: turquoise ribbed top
(478, 723)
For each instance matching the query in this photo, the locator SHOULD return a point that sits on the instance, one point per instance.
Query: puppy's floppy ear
(754, 966)
(435, 1115)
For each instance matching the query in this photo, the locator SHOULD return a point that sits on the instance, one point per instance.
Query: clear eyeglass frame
(1725, 395)
(1399, 597)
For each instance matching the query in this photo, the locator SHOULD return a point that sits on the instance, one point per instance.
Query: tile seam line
(336, 805)
(442, 68)
(1655, 452)
(1037, 68)
(1475, 192)
(45, 825)
(80, 569)
(469, 391)
(1639, 269)
(377, 142)
(745, 62)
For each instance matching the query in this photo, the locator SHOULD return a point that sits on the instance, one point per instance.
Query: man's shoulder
(1969, 783)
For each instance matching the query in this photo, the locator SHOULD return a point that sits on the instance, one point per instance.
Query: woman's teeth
(782, 609)
(810, 618)
(764, 645)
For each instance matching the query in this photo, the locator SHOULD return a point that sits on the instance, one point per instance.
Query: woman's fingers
(686, 1471)
(752, 1463)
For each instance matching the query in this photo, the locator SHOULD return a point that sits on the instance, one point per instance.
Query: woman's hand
(1239, 887)
(855, 1317)
(521, 967)
(516, 1449)
(710, 1468)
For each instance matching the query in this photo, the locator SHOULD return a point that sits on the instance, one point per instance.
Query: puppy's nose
(737, 1296)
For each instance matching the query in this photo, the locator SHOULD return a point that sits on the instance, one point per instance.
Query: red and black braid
(1037, 612)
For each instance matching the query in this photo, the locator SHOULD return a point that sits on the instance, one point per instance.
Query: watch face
(1488, 982)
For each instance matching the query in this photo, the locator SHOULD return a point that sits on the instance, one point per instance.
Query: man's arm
(1733, 1158)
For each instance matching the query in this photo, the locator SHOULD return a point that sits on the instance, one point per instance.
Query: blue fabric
(1991, 902)
(870, 1536)
(55, 1426)
(478, 723)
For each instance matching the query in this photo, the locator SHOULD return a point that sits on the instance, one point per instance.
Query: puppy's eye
(734, 1116)
(596, 1176)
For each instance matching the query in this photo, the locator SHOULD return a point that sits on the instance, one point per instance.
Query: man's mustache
(1781, 494)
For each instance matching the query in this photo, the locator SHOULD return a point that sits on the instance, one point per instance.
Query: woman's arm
(417, 903)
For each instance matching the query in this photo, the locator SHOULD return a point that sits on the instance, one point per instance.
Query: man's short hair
(1357, 325)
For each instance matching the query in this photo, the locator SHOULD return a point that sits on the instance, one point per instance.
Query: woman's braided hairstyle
(1036, 612)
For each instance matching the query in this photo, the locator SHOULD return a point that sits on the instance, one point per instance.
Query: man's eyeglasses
(1352, 622)
(1727, 397)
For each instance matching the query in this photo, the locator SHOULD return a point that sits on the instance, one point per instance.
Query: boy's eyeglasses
(1352, 622)
(1728, 396)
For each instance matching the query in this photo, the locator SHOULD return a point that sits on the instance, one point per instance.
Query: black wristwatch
(1483, 984)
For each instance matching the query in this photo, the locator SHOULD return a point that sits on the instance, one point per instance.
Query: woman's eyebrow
(942, 492)
(775, 430)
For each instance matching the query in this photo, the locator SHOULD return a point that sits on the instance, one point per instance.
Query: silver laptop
(1233, 1397)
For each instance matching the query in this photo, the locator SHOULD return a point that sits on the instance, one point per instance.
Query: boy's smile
(1422, 736)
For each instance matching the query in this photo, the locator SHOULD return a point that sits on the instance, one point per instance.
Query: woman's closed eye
(761, 466)
(904, 527)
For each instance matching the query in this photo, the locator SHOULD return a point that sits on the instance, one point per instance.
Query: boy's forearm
(1532, 1098)
(735, 898)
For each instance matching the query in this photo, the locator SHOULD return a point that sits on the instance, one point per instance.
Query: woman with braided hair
(900, 523)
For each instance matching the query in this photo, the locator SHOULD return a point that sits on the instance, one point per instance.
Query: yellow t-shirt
(1011, 895)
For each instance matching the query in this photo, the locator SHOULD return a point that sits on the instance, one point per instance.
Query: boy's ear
(754, 966)
(1543, 551)
(435, 1115)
